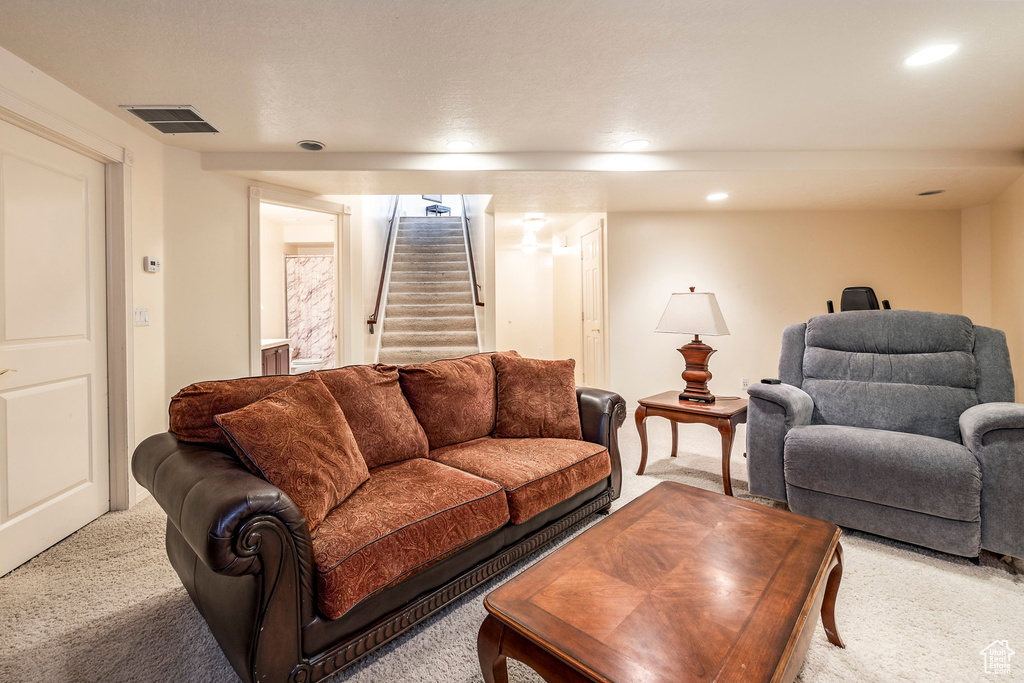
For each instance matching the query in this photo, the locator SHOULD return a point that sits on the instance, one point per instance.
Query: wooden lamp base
(696, 374)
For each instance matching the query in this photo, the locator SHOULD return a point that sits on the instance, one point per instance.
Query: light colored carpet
(430, 312)
(105, 605)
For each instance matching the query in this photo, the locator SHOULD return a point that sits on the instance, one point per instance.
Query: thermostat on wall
(150, 264)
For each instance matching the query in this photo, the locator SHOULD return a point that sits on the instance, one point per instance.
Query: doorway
(299, 312)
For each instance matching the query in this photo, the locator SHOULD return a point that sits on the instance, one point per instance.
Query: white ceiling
(573, 76)
(509, 228)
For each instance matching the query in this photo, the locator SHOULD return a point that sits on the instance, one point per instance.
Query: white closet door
(53, 390)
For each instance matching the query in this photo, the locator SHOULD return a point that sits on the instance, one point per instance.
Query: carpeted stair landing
(429, 312)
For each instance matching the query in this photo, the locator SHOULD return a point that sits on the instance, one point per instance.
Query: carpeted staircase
(430, 312)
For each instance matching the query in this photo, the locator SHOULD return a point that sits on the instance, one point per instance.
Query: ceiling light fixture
(718, 196)
(932, 53)
(459, 145)
(534, 223)
(636, 145)
(311, 145)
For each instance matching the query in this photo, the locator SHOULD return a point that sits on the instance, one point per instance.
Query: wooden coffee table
(679, 585)
(724, 414)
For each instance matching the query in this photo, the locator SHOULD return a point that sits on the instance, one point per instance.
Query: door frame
(603, 361)
(117, 162)
(342, 238)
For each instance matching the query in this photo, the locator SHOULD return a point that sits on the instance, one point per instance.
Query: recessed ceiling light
(460, 145)
(932, 53)
(929, 193)
(311, 145)
(718, 196)
(636, 145)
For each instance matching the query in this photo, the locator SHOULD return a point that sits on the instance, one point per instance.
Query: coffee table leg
(725, 429)
(488, 647)
(641, 426)
(828, 603)
(675, 437)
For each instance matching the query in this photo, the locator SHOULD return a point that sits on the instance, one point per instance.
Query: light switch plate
(141, 317)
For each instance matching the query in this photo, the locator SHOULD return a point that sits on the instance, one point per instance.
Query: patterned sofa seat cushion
(455, 400)
(381, 420)
(407, 516)
(536, 473)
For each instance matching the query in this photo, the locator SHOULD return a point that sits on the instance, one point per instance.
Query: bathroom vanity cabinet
(276, 360)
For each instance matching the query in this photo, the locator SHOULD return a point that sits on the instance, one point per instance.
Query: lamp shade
(693, 313)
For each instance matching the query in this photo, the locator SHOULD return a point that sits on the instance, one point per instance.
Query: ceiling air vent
(171, 118)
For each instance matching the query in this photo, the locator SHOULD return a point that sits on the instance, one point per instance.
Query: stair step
(399, 298)
(459, 248)
(438, 324)
(431, 266)
(428, 310)
(428, 339)
(428, 287)
(405, 243)
(430, 276)
(430, 220)
(404, 356)
(429, 257)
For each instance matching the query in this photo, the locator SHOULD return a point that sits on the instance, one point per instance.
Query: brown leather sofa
(245, 554)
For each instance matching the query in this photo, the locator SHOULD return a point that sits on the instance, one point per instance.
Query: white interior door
(53, 391)
(593, 309)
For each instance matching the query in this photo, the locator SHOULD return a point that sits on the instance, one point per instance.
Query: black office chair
(858, 299)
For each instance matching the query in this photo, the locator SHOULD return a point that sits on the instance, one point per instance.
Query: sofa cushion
(378, 414)
(382, 421)
(908, 471)
(454, 400)
(535, 473)
(298, 440)
(192, 409)
(536, 398)
(905, 371)
(408, 515)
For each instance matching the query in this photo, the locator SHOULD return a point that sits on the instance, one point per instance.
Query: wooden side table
(724, 414)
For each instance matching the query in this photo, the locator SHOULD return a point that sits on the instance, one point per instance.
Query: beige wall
(523, 302)
(768, 270)
(207, 271)
(976, 261)
(481, 236)
(148, 289)
(272, 286)
(1007, 225)
(375, 216)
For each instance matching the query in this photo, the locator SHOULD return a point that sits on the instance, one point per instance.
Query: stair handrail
(469, 251)
(392, 222)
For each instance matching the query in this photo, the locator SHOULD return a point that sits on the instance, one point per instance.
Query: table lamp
(694, 313)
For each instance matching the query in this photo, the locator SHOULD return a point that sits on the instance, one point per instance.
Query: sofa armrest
(795, 401)
(773, 410)
(230, 518)
(994, 434)
(601, 415)
(977, 421)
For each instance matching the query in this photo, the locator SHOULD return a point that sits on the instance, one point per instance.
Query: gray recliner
(898, 423)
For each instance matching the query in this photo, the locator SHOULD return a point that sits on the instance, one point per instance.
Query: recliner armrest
(795, 401)
(601, 415)
(977, 421)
